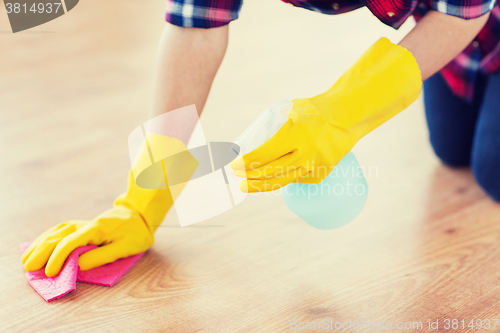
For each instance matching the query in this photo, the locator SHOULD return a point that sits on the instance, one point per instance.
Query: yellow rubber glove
(124, 230)
(322, 129)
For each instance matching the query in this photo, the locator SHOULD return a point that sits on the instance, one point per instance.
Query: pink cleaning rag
(51, 288)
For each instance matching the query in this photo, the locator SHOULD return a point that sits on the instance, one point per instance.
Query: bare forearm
(188, 60)
(438, 38)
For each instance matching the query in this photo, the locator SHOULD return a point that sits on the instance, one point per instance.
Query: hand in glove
(322, 129)
(127, 228)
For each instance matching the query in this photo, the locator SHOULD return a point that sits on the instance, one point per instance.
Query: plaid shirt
(481, 56)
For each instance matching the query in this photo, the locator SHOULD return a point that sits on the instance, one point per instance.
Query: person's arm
(385, 80)
(438, 38)
(188, 59)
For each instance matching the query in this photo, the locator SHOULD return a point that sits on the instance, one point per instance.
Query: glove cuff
(382, 82)
(148, 191)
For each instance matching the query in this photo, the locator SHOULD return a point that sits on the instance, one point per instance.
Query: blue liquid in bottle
(334, 202)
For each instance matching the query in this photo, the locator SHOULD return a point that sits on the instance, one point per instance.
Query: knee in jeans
(487, 173)
(450, 155)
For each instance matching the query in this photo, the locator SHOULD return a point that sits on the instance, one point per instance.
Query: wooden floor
(426, 245)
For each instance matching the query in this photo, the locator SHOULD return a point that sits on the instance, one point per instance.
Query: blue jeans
(467, 134)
